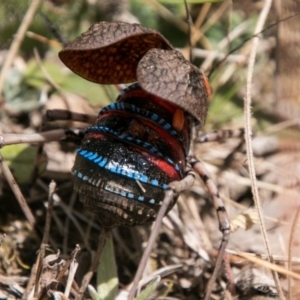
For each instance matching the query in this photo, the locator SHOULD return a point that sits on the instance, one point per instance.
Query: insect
(138, 156)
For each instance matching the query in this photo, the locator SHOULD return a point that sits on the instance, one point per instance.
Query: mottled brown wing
(108, 53)
(167, 74)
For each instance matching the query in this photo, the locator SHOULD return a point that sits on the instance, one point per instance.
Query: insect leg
(66, 115)
(173, 189)
(224, 224)
(220, 135)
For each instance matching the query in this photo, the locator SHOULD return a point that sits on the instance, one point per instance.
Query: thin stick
(30, 283)
(293, 230)
(16, 190)
(173, 189)
(279, 258)
(215, 16)
(42, 137)
(88, 276)
(39, 268)
(17, 41)
(248, 133)
(44, 71)
(72, 272)
(45, 240)
(150, 243)
(269, 265)
(72, 265)
(190, 24)
(52, 187)
(167, 14)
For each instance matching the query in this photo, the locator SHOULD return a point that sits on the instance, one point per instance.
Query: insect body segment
(136, 110)
(130, 156)
(134, 141)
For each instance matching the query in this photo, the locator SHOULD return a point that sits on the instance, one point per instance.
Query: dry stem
(248, 133)
(17, 41)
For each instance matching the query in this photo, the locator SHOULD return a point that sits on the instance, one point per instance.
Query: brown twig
(47, 136)
(45, 240)
(148, 249)
(72, 271)
(231, 286)
(52, 187)
(16, 190)
(39, 268)
(45, 72)
(17, 41)
(292, 236)
(68, 263)
(71, 215)
(266, 264)
(30, 283)
(88, 276)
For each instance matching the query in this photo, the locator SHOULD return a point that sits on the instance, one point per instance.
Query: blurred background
(221, 39)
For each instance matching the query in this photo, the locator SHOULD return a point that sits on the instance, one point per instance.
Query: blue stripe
(93, 157)
(88, 155)
(117, 169)
(154, 182)
(98, 159)
(117, 190)
(124, 136)
(144, 178)
(154, 117)
(103, 162)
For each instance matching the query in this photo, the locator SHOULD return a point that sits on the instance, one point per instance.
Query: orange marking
(207, 87)
(178, 119)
